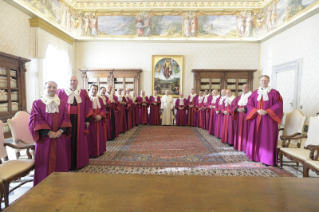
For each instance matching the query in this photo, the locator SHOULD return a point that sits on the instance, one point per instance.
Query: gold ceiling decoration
(166, 4)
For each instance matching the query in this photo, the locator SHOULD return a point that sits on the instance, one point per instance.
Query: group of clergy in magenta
(71, 125)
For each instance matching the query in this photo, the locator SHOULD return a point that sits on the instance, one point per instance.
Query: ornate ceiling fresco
(169, 20)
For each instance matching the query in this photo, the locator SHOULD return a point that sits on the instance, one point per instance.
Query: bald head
(245, 88)
(215, 92)
(73, 82)
(109, 89)
(201, 93)
(229, 93)
(223, 92)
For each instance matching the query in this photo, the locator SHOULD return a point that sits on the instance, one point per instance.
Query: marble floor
(297, 171)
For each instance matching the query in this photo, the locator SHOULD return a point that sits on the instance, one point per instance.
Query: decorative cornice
(38, 22)
(165, 4)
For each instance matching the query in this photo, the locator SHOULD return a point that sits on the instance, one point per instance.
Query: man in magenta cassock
(142, 104)
(50, 126)
(181, 105)
(79, 108)
(265, 110)
(212, 112)
(200, 111)
(229, 124)
(207, 100)
(220, 117)
(155, 104)
(97, 129)
(239, 116)
(122, 115)
(192, 115)
(113, 122)
(136, 120)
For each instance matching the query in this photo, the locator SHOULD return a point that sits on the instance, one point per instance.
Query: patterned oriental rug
(172, 150)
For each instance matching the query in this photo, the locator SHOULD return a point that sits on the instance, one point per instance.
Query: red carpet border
(171, 150)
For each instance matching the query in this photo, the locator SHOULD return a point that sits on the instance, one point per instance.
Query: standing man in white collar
(265, 110)
(213, 115)
(200, 117)
(49, 125)
(239, 116)
(192, 115)
(207, 101)
(167, 106)
(80, 111)
(97, 129)
(228, 126)
(122, 115)
(181, 106)
(220, 116)
(155, 103)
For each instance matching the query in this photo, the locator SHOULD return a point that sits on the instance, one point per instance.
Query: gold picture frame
(167, 74)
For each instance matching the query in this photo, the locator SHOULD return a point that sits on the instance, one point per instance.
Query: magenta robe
(142, 110)
(220, 118)
(78, 144)
(122, 116)
(207, 112)
(192, 115)
(201, 114)
(229, 124)
(263, 132)
(135, 113)
(97, 132)
(154, 118)
(213, 117)
(112, 122)
(241, 128)
(129, 113)
(50, 155)
(181, 115)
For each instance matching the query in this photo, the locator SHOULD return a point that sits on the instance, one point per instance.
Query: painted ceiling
(179, 20)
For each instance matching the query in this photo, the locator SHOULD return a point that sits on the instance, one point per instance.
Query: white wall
(99, 54)
(299, 42)
(18, 38)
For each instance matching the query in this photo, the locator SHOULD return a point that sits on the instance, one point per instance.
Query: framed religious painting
(167, 74)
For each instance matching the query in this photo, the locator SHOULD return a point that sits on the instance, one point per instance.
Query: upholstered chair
(20, 131)
(309, 154)
(12, 170)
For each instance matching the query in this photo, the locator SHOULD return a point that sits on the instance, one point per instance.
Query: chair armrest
(27, 147)
(22, 142)
(313, 149)
(286, 142)
(284, 137)
(280, 129)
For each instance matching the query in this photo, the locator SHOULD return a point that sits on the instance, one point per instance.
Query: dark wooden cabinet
(12, 87)
(118, 78)
(210, 79)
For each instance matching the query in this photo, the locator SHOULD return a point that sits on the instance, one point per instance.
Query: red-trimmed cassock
(220, 117)
(181, 116)
(97, 129)
(263, 132)
(207, 100)
(129, 112)
(154, 118)
(136, 120)
(201, 113)
(192, 115)
(142, 109)
(229, 124)
(80, 111)
(213, 115)
(51, 155)
(241, 125)
(122, 114)
(113, 122)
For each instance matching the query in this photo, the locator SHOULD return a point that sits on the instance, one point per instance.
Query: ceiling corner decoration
(164, 20)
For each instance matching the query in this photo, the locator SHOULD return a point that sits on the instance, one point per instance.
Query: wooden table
(112, 192)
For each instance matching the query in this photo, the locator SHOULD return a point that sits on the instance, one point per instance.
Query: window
(56, 66)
